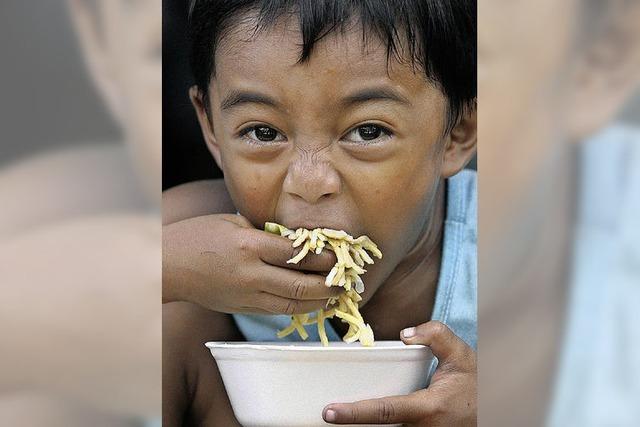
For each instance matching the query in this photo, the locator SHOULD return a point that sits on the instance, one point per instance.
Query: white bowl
(278, 384)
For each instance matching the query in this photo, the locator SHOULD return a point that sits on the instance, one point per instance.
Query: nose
(312, 180)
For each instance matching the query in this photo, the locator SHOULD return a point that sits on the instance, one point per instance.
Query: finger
(276, 250)
(297, 285)
(387, 410)
(275, 304)
(444, 344)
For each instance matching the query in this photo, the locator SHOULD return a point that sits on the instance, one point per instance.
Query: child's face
(345, 140)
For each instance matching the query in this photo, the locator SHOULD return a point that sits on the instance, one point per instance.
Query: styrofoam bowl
(288, 384)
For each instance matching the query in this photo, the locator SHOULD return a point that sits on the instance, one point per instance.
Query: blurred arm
(80, 312)
(74, 182)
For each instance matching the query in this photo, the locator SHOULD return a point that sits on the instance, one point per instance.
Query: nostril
(310, 197)
(326, 196)
(296, 196)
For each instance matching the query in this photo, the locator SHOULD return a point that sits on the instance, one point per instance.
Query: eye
(367, 133)
(261, 134)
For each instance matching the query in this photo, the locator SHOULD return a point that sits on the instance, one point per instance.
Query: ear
(95, 53)
(606, 72)
(205, 124)
(460, 144)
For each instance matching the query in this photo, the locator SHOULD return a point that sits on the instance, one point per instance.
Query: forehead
(340, 61)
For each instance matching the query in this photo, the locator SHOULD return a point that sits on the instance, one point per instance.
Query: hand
(450, 399)
(223, 263)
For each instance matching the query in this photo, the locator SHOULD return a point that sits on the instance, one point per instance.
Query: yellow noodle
(321, 331)
(351, 257)
(354, 310)
(298, 325)
(303, 253)
(303, 236)
(348, 317)
(286, 331)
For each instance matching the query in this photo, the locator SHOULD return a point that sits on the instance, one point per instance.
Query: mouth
(294, 216)
(310, 224)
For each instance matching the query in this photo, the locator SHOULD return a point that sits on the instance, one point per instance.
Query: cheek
(254, 188)
(393, 196)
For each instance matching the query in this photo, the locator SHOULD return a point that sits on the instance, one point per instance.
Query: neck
(410, 289)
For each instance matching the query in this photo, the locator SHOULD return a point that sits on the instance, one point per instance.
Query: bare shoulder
(193, 391)
(195, 199)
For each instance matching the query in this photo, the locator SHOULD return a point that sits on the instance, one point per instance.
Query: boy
(356, 116)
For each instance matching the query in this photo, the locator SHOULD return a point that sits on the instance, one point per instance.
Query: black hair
(439, 36)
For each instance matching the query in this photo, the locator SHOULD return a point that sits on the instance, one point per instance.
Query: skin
(82, 215)
(317, 173)
(449, 400)
(559, 85)
(193, 392)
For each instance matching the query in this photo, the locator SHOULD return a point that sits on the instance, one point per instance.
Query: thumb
(444, 344)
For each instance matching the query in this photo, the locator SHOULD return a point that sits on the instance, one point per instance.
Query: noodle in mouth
(352, 255)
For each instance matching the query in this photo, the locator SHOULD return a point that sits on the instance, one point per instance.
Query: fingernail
(330, 415)
(409, 332)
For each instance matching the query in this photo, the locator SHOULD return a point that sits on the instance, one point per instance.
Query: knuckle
(438, 329)
(290, 307)
(246, 242)
(298, 289)
(354, 414)
(386, 412)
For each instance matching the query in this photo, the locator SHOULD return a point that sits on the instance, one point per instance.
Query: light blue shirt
(598, 381)
(456, 295)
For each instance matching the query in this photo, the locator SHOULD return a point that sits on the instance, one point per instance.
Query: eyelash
(385, 134)
(243, 133)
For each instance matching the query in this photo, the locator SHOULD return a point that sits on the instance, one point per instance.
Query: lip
(310, 224)
(293, 214)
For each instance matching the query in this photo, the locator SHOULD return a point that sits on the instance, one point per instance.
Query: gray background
(46, 99)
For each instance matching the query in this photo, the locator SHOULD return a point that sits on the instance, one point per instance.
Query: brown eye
(264, 133)
(368, 133)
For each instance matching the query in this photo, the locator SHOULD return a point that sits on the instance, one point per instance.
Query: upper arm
(195, 199)
(192, 388)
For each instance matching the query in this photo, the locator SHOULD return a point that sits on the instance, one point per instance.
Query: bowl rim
(295, 347)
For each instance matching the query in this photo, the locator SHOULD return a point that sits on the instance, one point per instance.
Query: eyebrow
(375, 94)
(235, 98)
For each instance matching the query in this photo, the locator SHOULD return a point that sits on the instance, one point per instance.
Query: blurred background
(80, 231)
(48, 99)
(80, 226)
